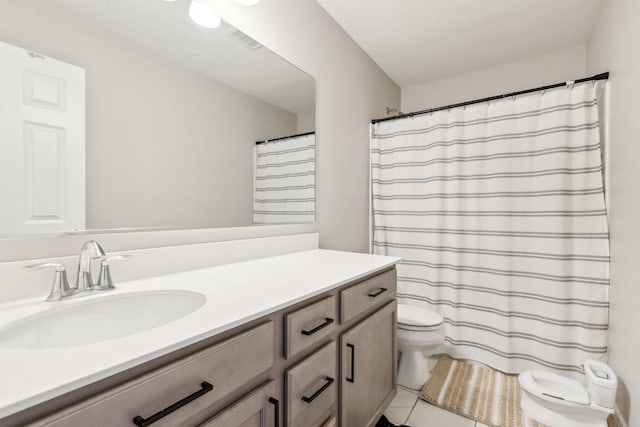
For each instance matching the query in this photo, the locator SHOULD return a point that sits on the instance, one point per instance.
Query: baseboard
(619, 418)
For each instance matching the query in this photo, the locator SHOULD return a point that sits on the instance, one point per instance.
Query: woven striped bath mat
(478, 392)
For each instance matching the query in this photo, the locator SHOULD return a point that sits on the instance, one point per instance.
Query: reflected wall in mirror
(120, 114)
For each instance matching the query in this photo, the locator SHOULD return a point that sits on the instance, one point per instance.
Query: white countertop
(236, 294)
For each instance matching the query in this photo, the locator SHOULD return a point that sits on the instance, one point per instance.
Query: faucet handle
(106, 282)
(59, 267)
(60, 287)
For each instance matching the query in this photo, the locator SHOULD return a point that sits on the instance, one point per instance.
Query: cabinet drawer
(226, 366)
(256, 409)
(311, 388)
(370, 293)
(308, 326)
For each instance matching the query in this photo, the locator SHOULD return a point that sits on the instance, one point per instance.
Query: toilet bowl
(558, 401)
(419, 331)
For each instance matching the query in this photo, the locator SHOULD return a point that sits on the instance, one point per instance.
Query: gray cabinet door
(368, 368)
(256, 409)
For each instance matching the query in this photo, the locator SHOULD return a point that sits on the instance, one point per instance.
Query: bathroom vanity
(299, 340)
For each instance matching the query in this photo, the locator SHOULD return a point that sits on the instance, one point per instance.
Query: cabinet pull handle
(326, 385)
(327, 322)
(276, 408)
(352, 377)
(381, 291)
(141, 422)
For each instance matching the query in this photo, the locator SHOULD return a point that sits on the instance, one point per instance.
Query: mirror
(120, 114)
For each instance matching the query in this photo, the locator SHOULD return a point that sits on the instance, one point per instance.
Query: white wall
(165, 146)
(613, 46)
(552, 68)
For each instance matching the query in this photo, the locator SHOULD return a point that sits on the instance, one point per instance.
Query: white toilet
(558, 401)
(419, 330)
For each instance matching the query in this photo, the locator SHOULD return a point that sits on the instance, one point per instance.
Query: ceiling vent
(241, 37)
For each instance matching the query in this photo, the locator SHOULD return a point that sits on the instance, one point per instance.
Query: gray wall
(350, 90)
(613, 46)
(511, 77)
(165, 146)
(307, 121)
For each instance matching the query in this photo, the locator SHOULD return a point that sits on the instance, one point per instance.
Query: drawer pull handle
(141, 422)
(380, 292)
(352, 377)
(276, 409)
(326, 385)
(327, 322)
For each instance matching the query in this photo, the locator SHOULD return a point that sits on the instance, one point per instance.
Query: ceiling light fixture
(203, 14)
(248, 2)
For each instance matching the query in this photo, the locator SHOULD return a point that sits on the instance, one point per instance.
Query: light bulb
(203, 15)
(248, 2)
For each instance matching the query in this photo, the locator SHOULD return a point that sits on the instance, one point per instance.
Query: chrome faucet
(90, 250)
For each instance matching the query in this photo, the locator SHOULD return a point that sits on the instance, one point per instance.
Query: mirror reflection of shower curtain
(499, 214)
(285, 188)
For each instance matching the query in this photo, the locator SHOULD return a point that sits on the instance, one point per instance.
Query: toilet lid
(418, 317)
(554, 388)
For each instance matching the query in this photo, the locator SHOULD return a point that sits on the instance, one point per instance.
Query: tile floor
(407, 408)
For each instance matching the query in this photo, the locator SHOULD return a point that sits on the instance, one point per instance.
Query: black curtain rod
(603, 76)
(284, 137)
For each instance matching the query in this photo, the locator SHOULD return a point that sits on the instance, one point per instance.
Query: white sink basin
(101, 319)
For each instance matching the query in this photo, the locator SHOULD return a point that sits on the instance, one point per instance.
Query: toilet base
(569, 417)
(413, 371)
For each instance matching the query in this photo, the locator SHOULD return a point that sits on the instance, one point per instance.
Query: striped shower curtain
(499, 214)
(285, 180)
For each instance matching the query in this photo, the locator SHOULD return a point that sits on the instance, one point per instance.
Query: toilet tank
(602, 383)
